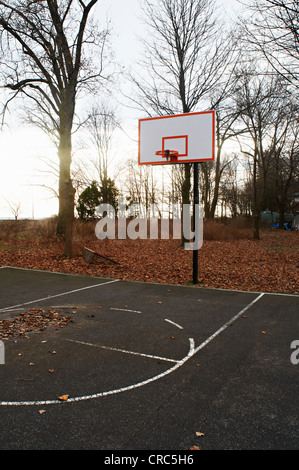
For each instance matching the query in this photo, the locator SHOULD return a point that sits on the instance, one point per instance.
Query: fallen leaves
(268, 265)
(34, 320)
(198, 434)
(63, 397)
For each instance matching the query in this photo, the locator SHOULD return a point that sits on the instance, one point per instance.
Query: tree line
(246, 71)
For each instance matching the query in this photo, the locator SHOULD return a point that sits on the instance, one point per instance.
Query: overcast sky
(127, 23)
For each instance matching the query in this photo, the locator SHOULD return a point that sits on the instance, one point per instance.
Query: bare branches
(45, 49)
(273, 31)
(182, 57)
(43, 42)
(101, 125)
(15, 207)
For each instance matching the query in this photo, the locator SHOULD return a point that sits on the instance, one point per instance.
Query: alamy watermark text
(143, 226)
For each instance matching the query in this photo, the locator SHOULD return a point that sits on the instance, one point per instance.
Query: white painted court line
(207, 341)
(124, 351)
(181, 286)
(43, 271)
(58, 295)
(222, 289)
(125, 310)
(110, 392)
(173, 323)
(191, 353)
(11, 310)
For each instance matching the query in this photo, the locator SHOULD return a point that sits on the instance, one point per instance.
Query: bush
(215, 230)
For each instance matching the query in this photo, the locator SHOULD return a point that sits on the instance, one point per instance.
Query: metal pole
(195, 201)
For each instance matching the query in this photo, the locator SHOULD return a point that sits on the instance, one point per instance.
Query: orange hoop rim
(170, 153)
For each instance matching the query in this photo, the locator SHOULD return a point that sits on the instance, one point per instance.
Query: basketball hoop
(171, 155)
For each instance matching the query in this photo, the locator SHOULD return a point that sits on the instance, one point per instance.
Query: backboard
(177, 138)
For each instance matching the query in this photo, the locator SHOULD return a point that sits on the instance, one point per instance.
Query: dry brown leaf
(223, 250)
(63, 397)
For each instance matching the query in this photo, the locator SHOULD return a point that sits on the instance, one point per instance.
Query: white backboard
(192, 135)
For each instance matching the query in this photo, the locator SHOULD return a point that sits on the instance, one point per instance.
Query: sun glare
(24, 174)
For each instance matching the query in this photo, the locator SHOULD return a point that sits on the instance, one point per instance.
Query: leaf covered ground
(33, 320)
(270, 264)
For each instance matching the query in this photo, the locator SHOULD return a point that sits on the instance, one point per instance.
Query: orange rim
(170, 153)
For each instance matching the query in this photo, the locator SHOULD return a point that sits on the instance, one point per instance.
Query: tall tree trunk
(66, 189)
(66, 196)
(217, 175)
(186, 186)
(281, 214)
(256, 214)
(206, 189)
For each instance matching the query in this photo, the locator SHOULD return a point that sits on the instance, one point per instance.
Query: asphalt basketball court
(147, 366)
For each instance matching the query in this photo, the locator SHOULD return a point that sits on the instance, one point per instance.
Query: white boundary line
(6, 309)
(155, 283)
(207, 341)
(203, 288)
(191, 353)
(50, 272)
(124, 351)
(173, 323)
(125, 310)
(110, 392)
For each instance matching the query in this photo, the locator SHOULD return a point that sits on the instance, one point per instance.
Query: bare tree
(101, 125)
(228, 128)
(285, 165)
(264, 107)
(43, 46)
(272, 28)
(141, 186)
(16, 208)
(184, 60)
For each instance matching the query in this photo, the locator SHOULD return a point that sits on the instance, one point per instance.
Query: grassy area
(45, 230)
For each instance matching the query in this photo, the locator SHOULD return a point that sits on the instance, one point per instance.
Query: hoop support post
(195, 201)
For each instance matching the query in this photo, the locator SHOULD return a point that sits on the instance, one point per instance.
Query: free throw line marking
(124, 351)
(191, 353)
